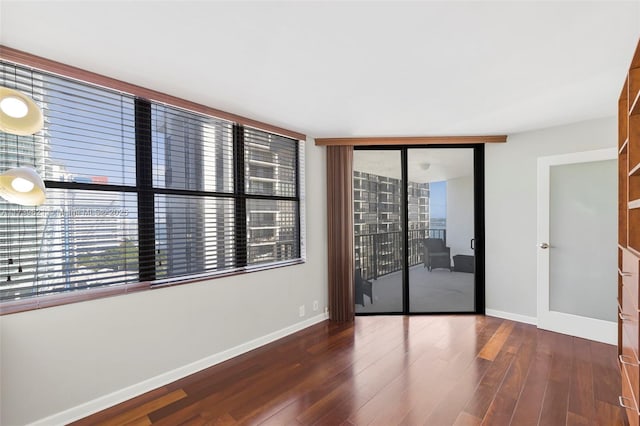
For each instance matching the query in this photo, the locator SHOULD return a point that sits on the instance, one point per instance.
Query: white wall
(57, 358)
(510, 207)
(460, 215)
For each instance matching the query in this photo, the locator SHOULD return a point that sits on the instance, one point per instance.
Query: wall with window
(141, 191)
(141, 195)
(63, 357)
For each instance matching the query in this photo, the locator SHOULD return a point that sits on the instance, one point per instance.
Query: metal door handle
(626, 274)
(543, 246)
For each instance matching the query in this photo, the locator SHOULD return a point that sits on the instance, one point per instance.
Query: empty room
(319, 212)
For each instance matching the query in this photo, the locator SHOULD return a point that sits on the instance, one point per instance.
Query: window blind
(194, 235)
(191, 151)
(271, 171)
(85, 235)
(139, 190)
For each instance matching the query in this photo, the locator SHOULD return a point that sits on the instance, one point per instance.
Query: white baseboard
(578, 326)
(599, 331)
(103, 402)
(513, 317)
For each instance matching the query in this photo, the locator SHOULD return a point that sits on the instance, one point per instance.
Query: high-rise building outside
(377, 221)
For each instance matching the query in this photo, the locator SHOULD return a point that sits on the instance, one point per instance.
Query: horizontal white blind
(193, 235)
(272, 231)
(212, 196)
(78, 238)
(191, 151)
(271, 170)
(89, 134)
(270, 165)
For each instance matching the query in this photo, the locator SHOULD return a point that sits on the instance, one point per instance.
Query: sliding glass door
(418, 228)
(442, 261)
(378, 231)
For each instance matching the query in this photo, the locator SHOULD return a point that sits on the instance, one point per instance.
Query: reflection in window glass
(193, 235)
(191, 151)
(270, 164)
(79, 239)
(272, 231)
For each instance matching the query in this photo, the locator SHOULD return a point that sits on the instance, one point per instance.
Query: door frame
(574, 325)
(479, 225)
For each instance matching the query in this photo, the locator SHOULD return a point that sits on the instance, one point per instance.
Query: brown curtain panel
(340, 226)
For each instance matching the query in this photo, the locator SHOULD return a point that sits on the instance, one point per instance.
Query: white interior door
(577, 241)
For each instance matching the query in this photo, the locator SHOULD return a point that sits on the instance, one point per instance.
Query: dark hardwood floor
(421, 370)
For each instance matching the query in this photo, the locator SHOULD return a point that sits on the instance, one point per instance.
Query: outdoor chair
(436, 254)
(362, 287)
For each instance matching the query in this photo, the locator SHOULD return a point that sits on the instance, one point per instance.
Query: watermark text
(66, 212)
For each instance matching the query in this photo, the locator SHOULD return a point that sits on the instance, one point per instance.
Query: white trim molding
(578, 326)
(560, 322)
(114, 398)
(511, 316)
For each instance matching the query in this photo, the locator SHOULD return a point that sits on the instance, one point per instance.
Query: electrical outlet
(326, 309)
(302, 310)
(316, 305)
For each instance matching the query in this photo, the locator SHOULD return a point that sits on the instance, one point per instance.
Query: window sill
(41, 302)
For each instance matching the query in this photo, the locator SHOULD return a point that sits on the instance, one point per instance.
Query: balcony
(381, 254)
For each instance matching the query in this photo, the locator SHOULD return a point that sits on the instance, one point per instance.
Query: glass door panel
(581, 263)
(378, 231)
(441, 230)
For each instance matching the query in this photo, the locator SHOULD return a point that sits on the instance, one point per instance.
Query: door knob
(543, 246)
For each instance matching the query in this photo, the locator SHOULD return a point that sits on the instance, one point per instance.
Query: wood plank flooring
(423, 370)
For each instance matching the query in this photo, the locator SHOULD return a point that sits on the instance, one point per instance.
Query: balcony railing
(381, 254)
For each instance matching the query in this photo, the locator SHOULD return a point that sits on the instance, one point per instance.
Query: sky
(438, 199)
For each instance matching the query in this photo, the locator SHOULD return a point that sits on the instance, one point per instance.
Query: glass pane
(377, 205)
(78, 239)
(270, 164)
(88, 133)
(272, 231)
(441, 230)
(191, 151)
(582, 228)
(193, 235)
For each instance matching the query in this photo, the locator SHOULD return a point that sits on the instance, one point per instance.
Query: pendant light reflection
(22, 185)
(19, 115)
(14, 107)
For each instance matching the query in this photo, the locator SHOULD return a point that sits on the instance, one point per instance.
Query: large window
(139, 191)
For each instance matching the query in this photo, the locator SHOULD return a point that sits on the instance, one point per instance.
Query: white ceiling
(423, 165)
(332, 68)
